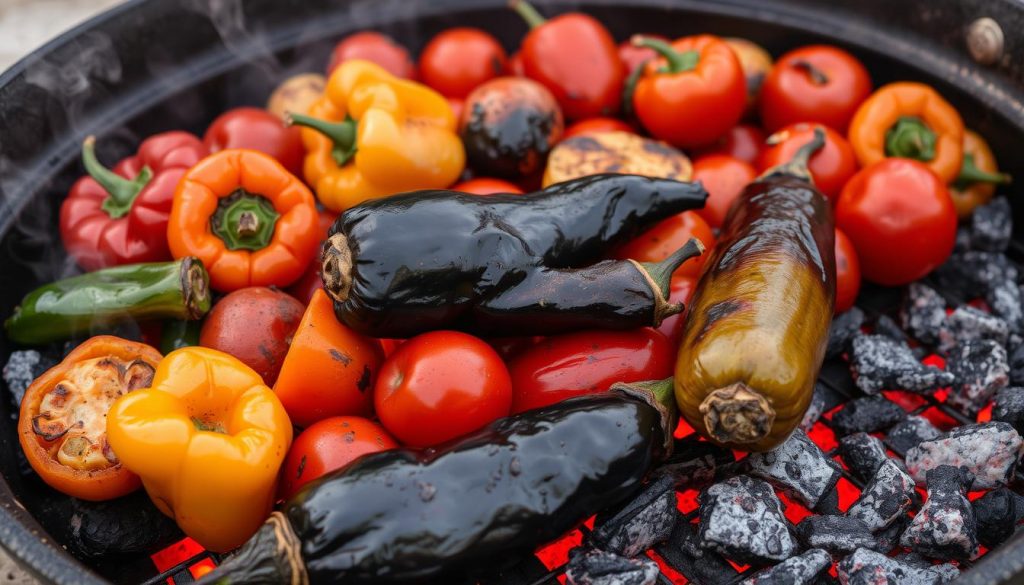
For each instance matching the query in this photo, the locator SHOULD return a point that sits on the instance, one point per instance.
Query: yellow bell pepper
(207, 439)
(373, 135)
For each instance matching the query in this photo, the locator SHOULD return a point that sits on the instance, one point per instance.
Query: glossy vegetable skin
(659, 242)
(509, 277)
(260, 130)
(847, 273)
(458, 59)
(96, 300)
(376, 48)
(495, 494)
(725, 177)
(758, 324)
(831, 167)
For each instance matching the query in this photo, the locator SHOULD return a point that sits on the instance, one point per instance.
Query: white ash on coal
(837, 534)
(1006, 300)
(991, 226)
(695, 463)
(643, 522)
(886, 498)
(989, 451)
(879, 363)
(945, 527)
(700, 565)
(981, 370)
(803, 569)
(909, 433)
(998, 513)
(869, 414)
(1008, 407)
(815, 409)
(597, 567)
(867, 567)
(968, 323)
(742, 519)
(844, 328)
(863, 454)
(923, 313)
(1016, 360)
(799, 468)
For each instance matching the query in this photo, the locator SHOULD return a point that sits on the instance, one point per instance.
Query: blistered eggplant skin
(762, 309)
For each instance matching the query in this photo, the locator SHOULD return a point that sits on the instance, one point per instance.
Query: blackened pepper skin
(413, 515)
(503, 265)
(757, 327)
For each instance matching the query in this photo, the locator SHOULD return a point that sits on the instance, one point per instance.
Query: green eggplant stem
(121, 192)
(970, 173)
(677, 62)
(910, 137)
(660, 394)
(661, 272)
(244, 221)
(342, 134)
(817, 76)
(528, 12)
(797, 166)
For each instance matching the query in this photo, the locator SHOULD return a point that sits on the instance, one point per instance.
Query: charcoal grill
(149, 66)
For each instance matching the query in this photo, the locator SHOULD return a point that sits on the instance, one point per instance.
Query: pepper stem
(244, 221)
(629, 88)
(272, 555)
(677, 62)
(736, 414)
(528, 12)
(910, 137)
(660, 394)
(342, 134)
(797, 166)
(195, 287)
(817, 76)
(661, 272)
(121, 192)
(970, 173)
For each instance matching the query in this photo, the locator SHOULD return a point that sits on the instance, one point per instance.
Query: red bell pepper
(119, 216)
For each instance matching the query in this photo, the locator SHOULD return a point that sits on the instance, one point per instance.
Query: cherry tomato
(487, 186)
(847, 273)
(600, 124)
(633, 56)
(900, 218)
(441, 385)
(328, 445)
(744, 142)
(310, 281)
(587, 362)
(818, 83)
(457, 60)
(376, 47)
(260, 130)
(669, 235)
(680, 292)
(724, 177)
(830, 167)
(255, 325)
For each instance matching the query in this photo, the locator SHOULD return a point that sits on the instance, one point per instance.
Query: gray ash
(970, 275)
(867, 567)
(945, 527)
(683, 551)
(889, 538)
(844, 328)
(696, 463)
(923, 313)
(22, 368)
(989, 451)
(1005, 300)
(868, 415)
(863, 455)
(742, 519)
(798, 467)
(909, 433)
(1008, 407)
(886, 498)
(981, 370)
(816, 408)
(802, 569)
(967, 323)
(596, 567)
(879, 363)
(991, 226)
(963, 240)
(643, 522)
(997, 514)
(836, 534)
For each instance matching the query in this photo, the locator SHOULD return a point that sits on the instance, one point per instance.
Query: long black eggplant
(440, 514)
(504, 265)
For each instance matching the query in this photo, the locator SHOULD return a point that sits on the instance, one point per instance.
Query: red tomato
(597, 125)
(255, 325)
(819, 83)
(830, 167)
(633, 56)
(662, 240)
(515, 65)
(487, 186)
(328, 445)
(900, 218)
(260, 130)
(724, 177)
(587, 362)
(680, 292)
(376, 47)
(457, 60)
(743, 142)
(310, 281)
(390, 345)
(847, 273)
(441, 385)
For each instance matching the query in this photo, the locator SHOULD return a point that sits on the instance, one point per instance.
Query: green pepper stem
(244, 221)
(661, 272)
(659, 394)
(342, 134)
(797, 166)
(527, 12)
(817, 76)
(629, 88)
(910, 137)
(970, 173)
(677, 62)
(121, 192)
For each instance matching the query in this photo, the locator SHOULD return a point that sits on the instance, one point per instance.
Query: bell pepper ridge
(121, 192)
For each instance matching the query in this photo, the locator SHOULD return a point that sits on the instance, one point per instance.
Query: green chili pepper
(80, 304)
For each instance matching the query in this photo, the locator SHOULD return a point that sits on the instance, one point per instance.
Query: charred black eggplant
(504, 265)
(413, 515)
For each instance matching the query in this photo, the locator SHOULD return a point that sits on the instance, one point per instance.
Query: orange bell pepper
(978, 177)
(373, 135)
(60, 425)
(207, 439)
(909, 120)
(249, 220)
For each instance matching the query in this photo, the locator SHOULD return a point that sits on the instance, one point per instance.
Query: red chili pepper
(576, 58)
(257, 129)
(119, 216)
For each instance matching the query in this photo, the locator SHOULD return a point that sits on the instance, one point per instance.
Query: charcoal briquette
(886, 498)
(889, 538)
(868, 415)
(701, 566)
(1004, 298)
(1008, 407)
(816, 408)
(802, 569)
(798, 467)
(988, 450)
(968, 323)
(885, 325)
(742, 519)
(923, 313)
(22, 368)
(970, 275)
(836, 534)
(598, 567)
(844, 328)
(947, 571)
(981, 370)
(695, 463)
(909, 433)
(863, 454)
(945, 527)
(963, 240)
(1016, 360)
(991, 226)
(867, 567)
(880, 363)
(643, 522)
(997, 514)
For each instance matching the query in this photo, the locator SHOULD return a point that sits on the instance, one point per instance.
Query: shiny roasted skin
(763, 306)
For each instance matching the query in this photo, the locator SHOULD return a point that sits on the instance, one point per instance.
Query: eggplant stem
(797, 166)
(660, 395)
(661, 272)
(737, 414)
(336, 267)
(272, 555)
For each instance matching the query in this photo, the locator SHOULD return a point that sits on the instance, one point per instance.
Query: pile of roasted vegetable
(432, 313)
